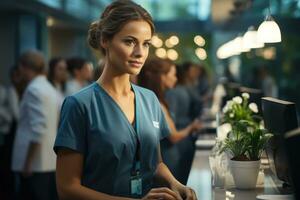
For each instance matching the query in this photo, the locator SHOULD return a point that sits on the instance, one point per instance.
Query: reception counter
(200, 181)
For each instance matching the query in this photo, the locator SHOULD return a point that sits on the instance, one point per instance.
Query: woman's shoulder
(148, 98)
(144, 91)
(83, 96)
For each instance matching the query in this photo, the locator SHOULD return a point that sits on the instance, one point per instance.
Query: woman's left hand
(185, 192)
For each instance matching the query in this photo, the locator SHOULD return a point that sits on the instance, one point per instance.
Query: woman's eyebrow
(134, 38)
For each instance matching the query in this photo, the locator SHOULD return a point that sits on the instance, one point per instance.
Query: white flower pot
(244, 173)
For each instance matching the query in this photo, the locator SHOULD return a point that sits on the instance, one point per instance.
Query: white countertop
(200, 181)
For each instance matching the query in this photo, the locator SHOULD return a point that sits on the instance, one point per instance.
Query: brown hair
(33, 60)
(112, 20)
(150, 76)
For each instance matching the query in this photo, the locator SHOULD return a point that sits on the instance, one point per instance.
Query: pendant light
(250, 39)
(269, 31)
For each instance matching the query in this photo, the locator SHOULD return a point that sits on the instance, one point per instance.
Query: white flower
(231, 115)
(225, 109)
(245, 95)
(253, 107)
(237, 99)
(229, 104)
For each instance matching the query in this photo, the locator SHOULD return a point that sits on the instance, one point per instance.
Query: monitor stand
(275, 197)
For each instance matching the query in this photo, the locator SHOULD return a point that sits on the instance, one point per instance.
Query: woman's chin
(134, 71)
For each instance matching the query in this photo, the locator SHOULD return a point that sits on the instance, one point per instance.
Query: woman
(57, 76)
(159, 75)
(182, 98)
(108, 140)
(81, 74)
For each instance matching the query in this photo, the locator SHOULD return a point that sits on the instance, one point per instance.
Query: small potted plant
(245, 142)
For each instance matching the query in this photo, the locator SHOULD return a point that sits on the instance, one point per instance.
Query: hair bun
(94, 35)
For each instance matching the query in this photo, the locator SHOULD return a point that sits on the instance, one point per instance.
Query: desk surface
(200, 181)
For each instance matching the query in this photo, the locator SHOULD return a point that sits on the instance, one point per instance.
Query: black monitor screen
(292, 144)
(279, 117)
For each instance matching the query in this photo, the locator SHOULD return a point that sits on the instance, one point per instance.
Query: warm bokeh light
(50, 21)
(199, 40)
(174, 40)
(161, 53)
(201, 53)
(168, 43)
(156, 41)
(172, 54)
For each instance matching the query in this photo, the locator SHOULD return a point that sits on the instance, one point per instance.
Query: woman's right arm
(68, 179)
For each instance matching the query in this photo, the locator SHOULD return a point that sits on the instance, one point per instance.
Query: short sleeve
(72, 127)
(36, 115)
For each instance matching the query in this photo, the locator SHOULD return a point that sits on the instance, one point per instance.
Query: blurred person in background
(108, 140)
(81, 74)
(184, 100)
(33, 160)
(204, 87)
(159, 75)
(5, 123)
(57, 76)
(5, 116)
(14, 91)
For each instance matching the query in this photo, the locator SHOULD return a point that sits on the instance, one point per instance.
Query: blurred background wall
(200, 27)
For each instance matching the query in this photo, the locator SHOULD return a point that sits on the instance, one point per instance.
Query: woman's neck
(112, 82)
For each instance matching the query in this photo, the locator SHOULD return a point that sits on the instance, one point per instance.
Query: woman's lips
(136, 64)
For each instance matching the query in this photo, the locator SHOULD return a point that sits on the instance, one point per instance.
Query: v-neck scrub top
(94, 125)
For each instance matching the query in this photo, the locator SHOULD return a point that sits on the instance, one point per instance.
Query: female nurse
(108, 139)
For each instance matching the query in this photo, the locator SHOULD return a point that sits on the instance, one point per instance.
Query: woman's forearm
(164, 176)
(179, 135)
(79, 192)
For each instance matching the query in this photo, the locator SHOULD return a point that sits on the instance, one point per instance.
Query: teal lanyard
(137, 157)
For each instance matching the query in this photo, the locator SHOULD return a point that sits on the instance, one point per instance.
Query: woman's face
(61, 73)
(169, 79)
(128, 49)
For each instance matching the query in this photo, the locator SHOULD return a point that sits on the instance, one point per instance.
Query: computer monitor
(279, 117)
(292, 146)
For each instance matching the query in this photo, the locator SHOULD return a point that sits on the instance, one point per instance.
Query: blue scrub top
(93, 124)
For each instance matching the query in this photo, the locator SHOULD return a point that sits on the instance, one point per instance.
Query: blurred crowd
(29, 115)
(30, 107)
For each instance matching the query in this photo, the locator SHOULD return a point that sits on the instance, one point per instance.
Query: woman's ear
(104, 43)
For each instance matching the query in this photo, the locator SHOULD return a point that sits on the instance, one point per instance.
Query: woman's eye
(129, 42)
(147, 44)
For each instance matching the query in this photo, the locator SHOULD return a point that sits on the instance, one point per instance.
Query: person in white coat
(33, 160)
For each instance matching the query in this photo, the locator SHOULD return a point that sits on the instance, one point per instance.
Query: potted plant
(245, 142)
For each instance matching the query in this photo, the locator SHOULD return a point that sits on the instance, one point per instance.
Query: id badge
(136, 185)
